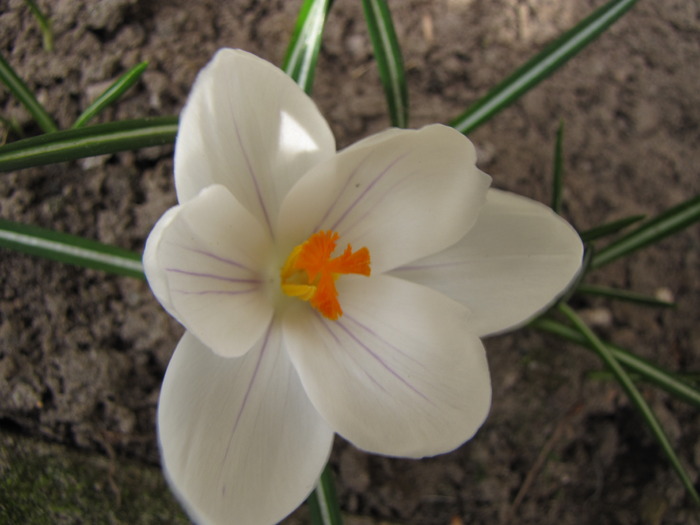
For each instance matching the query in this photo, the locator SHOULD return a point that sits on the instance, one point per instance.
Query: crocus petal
(248, 126)
(513, 263)
(205, 260)
(240, 441)
(398, 373)
(404, 194)
(156, 278)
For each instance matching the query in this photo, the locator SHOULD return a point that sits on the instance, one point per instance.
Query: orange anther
(310, 273)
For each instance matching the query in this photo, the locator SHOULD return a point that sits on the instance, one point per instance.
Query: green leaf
(623, 295)
(69, 249)
(558, 174)
(20, 90)
(302, 53)
(323, 503)
(609, 228)
(541, 66)
(690, 378)
(111, 94)
(100, 139)
(670, 221)
(387, 52)
(44, 24)
(628, 386)
(672, 383)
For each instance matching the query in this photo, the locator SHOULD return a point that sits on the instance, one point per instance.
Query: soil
(82, 353)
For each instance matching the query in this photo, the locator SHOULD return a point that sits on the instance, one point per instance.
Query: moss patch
(45, 483)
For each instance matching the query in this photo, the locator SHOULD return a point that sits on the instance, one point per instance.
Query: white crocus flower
(289, 339)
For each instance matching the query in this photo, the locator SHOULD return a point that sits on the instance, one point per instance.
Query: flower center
(309, 273)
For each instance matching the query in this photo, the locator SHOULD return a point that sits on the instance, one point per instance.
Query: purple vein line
(327, 327)
(215, 257)
(212, 276)
(374, 334)
(217, 292)
(378, 202)
(253, 177)
(347, 183)
(381, 361)
(247, 393)
(367, 189)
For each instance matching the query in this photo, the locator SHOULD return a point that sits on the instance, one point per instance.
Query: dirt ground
(82, 354)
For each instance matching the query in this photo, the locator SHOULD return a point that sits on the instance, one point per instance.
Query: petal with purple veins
(399, 373)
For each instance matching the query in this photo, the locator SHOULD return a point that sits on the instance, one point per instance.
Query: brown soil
(82, 353)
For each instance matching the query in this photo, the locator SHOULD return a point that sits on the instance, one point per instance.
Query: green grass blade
(44, 24)
(610, 228)
(670, 221)
(302, 53)
(69, 249)
(100, 139)
(541, 65)
(558, 173)
(111, 94)
(323, 502)
(672, 383)
(628, 386)
(20, 90)
(387, 52)
(623, 295)
(690, 378)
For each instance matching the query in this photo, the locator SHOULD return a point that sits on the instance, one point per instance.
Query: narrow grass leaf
(635, 396)
(89, 141)
(670, 221)
(70, 249)
(623, 295)
(387, 53)
(541, 65)
(111, 94)
(323, 502)
(610, 228)
(674, 384)
(44, 24)
(558, 172)
(20, 90)
(690, 378)
(302, 52)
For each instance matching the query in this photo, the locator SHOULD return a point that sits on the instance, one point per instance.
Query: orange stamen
(309, 272)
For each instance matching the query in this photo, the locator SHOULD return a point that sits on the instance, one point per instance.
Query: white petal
(240, 441)
(398, 373)
(206, 262)
(248, 126)
(403, 194)
(154, 275)
(516, 260)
